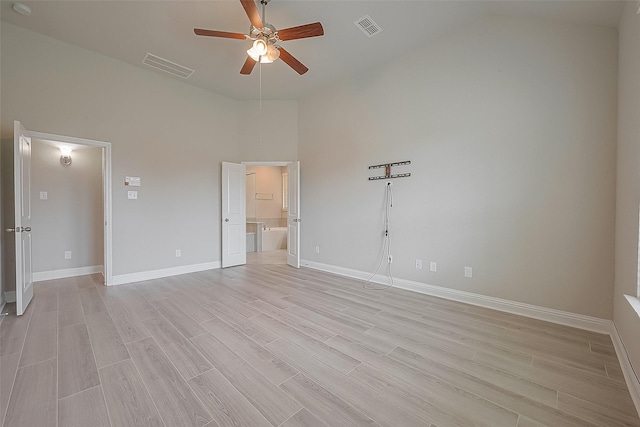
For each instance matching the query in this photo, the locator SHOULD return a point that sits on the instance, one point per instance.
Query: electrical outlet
(178, 253)
(419, 264)
(317, 249)
(43, 195)
(432, 266)
(67, 254)
(468, 272)
(132, 195)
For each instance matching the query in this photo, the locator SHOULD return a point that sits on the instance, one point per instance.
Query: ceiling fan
(266, 38)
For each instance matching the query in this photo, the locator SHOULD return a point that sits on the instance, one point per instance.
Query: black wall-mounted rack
(387, 171)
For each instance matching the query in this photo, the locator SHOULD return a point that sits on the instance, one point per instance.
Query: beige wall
(268, 181)
(628, 184)
(71, 217)
(510, 125)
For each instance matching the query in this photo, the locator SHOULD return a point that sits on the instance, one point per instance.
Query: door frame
(277, 164)
(106, 192)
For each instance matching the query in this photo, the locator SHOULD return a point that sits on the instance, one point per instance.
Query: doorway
(67, 210)
(234, 211)
(266, 214)
(84, 148)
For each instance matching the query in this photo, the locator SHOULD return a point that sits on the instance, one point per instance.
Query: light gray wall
(628, 185)
(172, 135)
(277, 129)
(7, 216)
(71, 217)
(2, 247)
(510, 125)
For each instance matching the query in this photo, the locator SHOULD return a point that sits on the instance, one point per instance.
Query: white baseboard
(141, 276)
(630, 377)
(566, 318)
(68, 272)
(9, 296)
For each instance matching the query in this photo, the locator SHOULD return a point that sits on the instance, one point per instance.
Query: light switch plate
(43, 195)
(132, 195)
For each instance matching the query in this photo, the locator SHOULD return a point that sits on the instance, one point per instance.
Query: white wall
(628, 184)
(71, 217)
(510, 125)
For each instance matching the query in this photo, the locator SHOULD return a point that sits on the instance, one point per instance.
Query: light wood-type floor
(269, 345)
(278, 256)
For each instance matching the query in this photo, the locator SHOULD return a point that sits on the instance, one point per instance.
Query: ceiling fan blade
(292, 62)
(301, 32)
(252, 12)
(224, 34)
(247, 68)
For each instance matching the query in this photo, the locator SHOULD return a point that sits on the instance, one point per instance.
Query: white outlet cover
(44, 195)
(67, 254)
(468, 272)
(432, 266)
(132, 195)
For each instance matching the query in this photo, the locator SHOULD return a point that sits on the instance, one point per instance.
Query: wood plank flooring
(269, 345)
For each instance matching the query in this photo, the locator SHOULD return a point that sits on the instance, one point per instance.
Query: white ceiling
(127, 30)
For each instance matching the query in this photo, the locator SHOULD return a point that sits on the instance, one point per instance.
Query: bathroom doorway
(266, 198)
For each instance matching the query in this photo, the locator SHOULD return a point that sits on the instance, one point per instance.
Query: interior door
(293, 215)
(234, 215)
(22, 222)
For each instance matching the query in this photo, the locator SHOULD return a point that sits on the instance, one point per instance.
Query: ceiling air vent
(368, 26)
(167, 66)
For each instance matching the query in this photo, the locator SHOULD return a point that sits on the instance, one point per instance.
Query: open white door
(234, 214)
(22, 223)
(293, 215)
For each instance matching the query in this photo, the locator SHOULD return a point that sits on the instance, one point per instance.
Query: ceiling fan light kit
(266, 39)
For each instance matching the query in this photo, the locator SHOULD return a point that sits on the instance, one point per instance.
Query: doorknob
(226, 220)
(27, 229)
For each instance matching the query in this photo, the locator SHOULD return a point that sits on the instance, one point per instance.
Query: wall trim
(141, 276)
(566, 318)
(630, 377)
(41, 276)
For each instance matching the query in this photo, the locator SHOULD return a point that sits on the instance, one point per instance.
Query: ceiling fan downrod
(264, 3)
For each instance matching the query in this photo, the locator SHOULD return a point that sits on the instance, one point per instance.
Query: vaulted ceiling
(128, 30)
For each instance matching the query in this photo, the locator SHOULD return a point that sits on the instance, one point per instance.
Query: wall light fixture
(65, 156)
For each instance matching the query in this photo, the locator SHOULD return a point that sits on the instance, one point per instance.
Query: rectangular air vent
(368, 26)
(167, 66)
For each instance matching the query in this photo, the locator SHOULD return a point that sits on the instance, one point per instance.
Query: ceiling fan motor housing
(268, 33)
